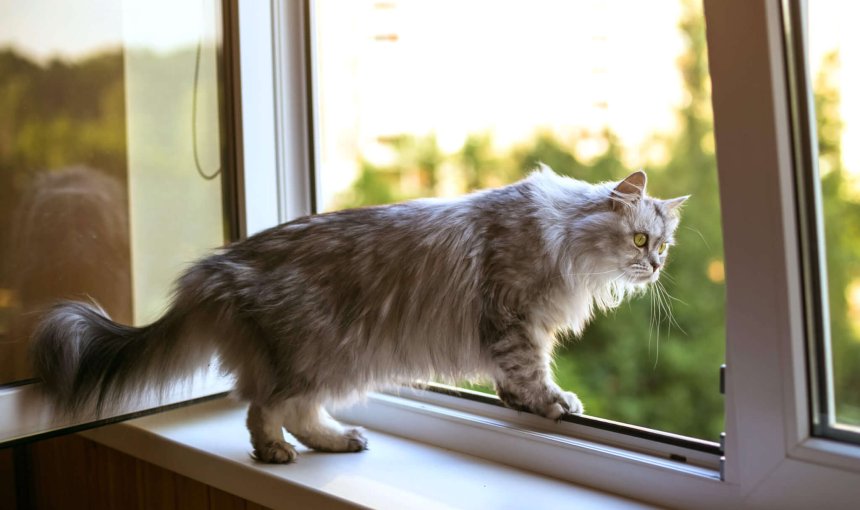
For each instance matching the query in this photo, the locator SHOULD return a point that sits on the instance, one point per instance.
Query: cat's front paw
(548, 401)
(561, 403)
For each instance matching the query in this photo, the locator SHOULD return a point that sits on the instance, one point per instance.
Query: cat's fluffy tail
(89, 362)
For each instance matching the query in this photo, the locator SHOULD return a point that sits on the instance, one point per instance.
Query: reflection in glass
(405, 113)
(99, 195)
(834, 59)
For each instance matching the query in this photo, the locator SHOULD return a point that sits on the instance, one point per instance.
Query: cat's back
(377, 229)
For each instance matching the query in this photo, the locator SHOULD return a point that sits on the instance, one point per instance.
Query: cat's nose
(655, 265)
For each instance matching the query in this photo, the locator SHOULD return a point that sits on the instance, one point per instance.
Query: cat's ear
(631, 189)
(674, 203)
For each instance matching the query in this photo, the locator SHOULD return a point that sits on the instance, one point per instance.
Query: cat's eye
(640, 240)
(662, 248)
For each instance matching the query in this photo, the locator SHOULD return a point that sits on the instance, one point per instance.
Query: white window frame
(771, 458)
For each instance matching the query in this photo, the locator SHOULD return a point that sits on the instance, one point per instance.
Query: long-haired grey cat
(322, 309)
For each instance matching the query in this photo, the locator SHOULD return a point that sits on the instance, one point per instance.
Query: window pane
(834, 60)
(100, 196)
(438, 98)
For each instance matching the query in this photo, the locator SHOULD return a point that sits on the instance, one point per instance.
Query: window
(832, 56)
(116, 159)
(404, 112)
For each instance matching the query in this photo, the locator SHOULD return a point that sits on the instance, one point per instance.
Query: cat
(318, 311)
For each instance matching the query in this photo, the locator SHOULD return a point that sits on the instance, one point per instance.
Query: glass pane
(100, 196)
(438, 98)
(834, 60)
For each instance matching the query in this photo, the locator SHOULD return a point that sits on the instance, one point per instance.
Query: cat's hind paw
(349, 441)
(356, 441)
(276, 452)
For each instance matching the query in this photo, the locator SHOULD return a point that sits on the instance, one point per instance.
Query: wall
(7, 479)
(71, 472)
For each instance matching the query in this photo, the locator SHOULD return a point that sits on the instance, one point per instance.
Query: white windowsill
(209, 442)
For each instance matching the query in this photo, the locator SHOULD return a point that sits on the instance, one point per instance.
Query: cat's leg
(265, 423)
(524, 376)
(307, 420)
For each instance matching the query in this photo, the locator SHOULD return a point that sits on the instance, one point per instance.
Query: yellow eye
(662, 249)
(640, 240)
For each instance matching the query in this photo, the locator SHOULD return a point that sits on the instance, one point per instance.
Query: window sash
(303, 38)
(24, 413)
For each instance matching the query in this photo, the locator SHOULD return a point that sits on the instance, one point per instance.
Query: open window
(118, 168)
(410, 102)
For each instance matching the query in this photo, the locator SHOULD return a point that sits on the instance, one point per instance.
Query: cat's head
(643, 230)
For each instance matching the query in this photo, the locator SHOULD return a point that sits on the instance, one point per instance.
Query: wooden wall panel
(220, 500)
(191, 494)
(71, 472)
(7, 480)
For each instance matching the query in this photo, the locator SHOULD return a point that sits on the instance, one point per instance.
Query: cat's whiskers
(700, 235)
(668, 298)
(657, 319)
(665, 274)
(673, 298)
(650, 319)
(661, 306)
